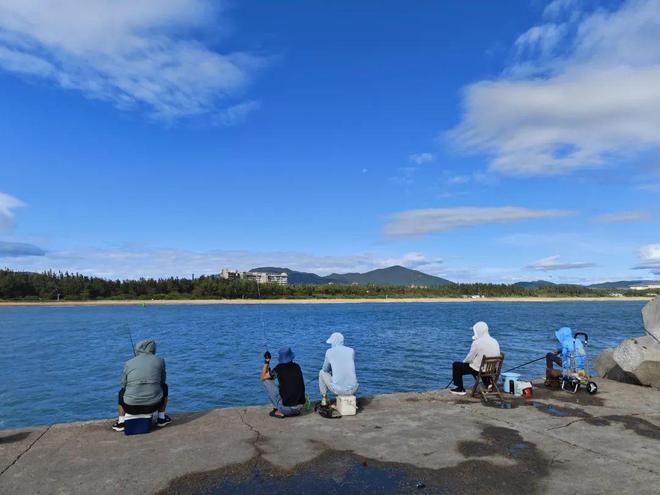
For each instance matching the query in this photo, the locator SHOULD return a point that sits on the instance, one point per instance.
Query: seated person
(288, 396)
(338, 371)
(562, 356)
(482, 345)
(143, 387)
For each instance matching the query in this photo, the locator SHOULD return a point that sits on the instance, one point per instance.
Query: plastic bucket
(509, 382)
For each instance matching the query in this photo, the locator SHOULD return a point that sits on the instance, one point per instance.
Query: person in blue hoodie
(561, 356)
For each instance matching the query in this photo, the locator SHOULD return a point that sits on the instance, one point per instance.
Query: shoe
(118, 426)
(458, 391)
(164, 421)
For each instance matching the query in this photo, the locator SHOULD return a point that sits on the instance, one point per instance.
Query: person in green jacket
(143, 386)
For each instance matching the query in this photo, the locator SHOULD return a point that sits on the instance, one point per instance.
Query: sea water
(64, 363)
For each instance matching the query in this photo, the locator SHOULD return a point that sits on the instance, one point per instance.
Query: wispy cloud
(583, 89)
(421, 158)
(7, 206)
(552, 263)
(19, 249)
(623, 216)
(652, 188)
(649, 258)
(424, 221)
(133, 53)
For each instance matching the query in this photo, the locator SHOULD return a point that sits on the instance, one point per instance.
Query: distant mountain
(394, 275)
(622, 284)
(294, 276)
(536, 284)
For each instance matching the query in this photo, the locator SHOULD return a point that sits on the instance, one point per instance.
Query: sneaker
(164, 421)
(458, 391)
(118, 426)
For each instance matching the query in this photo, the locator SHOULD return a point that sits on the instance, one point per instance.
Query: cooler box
(509, 382)
(137, 424)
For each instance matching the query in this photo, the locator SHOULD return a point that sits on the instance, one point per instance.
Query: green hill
(393, 275)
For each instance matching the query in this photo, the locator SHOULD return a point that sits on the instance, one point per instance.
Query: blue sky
(489, 141)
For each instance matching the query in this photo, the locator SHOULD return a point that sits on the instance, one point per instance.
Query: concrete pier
(429, 442)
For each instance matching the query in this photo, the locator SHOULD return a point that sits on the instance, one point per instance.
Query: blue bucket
(137, 425)
(508, 382)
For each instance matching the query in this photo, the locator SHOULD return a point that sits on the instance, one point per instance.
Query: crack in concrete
(254, 430)
(25, 451)
(543, 433)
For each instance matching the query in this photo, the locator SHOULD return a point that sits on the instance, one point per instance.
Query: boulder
(606, 367)
(640, 357)
(651, 317)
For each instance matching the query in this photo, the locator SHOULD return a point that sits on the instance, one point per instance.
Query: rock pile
(636, 360)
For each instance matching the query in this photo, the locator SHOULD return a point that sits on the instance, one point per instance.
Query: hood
(147, 346)
(480, 329)
(565, 335)
(335, 339)
(286, 355)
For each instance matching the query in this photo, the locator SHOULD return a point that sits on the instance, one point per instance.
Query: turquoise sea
(64, 363)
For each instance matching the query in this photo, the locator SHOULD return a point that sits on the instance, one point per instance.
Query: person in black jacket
(288, 398)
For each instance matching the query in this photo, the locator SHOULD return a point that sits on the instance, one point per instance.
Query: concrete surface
(556, 443)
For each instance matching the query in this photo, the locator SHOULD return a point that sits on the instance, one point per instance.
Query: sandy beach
(152, 302)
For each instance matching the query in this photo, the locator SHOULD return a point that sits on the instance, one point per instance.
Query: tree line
(51, 286)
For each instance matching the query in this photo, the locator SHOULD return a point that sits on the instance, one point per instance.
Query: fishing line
(261, 316)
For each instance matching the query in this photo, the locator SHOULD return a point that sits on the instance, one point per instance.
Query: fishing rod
(261, 317)
(510, 369)
(130, 336)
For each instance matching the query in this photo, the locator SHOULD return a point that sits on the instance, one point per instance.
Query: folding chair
(490, 369)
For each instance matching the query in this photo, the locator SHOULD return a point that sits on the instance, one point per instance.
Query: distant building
(259, 277)
(645, 287)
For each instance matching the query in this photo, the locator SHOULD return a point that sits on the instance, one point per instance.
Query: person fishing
(143, 385)
(338, 371)
(483, 345)
(561, 357)
(288, 395)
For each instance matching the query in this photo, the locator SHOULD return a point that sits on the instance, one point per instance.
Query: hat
(286, 355)
(335, 339)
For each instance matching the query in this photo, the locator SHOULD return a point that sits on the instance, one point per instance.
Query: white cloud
(623, 216)
(421, 158)
(558, 7)
(237, 114)
(589, 92)
(7, 206)
(555, 263)
(649, 258)
(424, 221)
(133, 53)
(136, 261)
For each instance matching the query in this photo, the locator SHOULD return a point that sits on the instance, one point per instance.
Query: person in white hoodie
(482, 345)
(338, 371)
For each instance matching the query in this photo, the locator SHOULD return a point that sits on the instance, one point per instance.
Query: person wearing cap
(482, 345)
(288, 395)
(338, 371)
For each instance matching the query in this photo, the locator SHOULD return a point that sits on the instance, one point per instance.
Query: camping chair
(490, 368)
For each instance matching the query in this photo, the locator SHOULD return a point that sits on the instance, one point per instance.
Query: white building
(645, 287)
(259, 277)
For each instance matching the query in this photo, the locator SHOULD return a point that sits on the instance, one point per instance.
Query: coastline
(195, 302)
